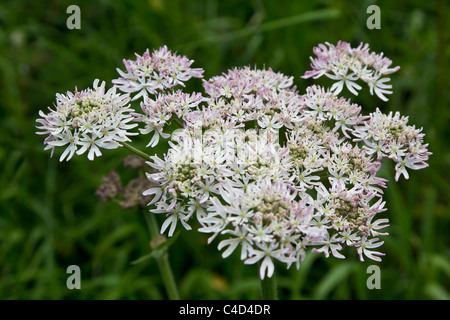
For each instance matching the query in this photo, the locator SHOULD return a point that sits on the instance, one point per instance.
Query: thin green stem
(167, 275)
(136, 151)
(269, 288)
(152, 224)
(178, 122)
(162, 259)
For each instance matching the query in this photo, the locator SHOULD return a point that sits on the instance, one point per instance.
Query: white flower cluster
(267, 170)
(155, 72)
(273, 172)
(159, 112)
(390, 136)
(87, 120)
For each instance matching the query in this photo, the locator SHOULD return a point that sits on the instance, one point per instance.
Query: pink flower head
(347, 65)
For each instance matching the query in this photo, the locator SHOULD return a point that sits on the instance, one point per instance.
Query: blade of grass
(264, 27)
(332, 279)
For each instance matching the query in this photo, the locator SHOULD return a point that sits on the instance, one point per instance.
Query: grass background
(50, 217)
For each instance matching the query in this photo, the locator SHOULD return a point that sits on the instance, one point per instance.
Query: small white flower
(173, 216)
(239, 238)
(348, 81)
(267, 251)
(331, 244)
(260, 233)
(379, 86)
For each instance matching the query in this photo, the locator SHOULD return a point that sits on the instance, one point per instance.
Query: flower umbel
(347, 65)
(152, 73)
(86, 121)
(273, 173)
(270, 172)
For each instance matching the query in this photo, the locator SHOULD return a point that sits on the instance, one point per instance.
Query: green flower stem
(162, 259)
(136, 151)
(167, 275)
(269, 288)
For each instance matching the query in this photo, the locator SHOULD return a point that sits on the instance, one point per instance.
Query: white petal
(267, 264)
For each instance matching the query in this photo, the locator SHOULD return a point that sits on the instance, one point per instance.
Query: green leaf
(143, 258)
(442, 263)
(332, 279)
(166, 244)
(158, 250)
(436, 291)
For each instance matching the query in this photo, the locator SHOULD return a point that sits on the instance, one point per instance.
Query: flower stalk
(269, 288)
(162, 258)
(136, 151)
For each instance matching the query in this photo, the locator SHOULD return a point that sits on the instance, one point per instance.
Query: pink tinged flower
(154, 72)
(386, 70)
(376, 147)
(409, 161)
(338, 174)
(159, 82)
(357, 178)
(335, 61)
(377, 225)
(315, 74)
(364, 246)
(395, 150)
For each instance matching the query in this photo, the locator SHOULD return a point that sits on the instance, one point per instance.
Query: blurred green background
(50, 217)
